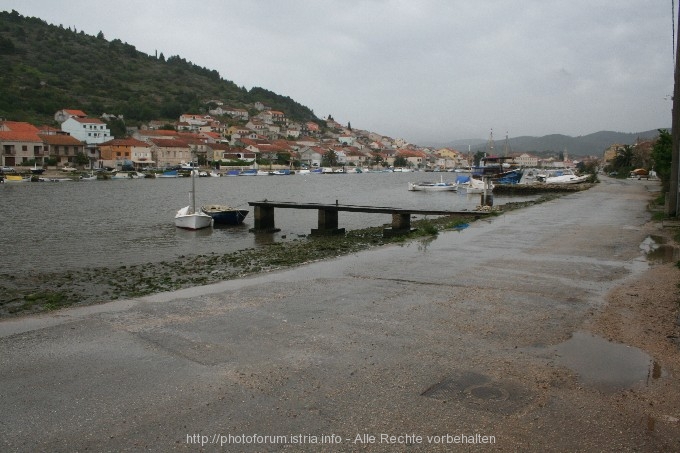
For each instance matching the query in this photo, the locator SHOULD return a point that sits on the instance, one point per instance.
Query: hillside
(47, 68)
(585, 145)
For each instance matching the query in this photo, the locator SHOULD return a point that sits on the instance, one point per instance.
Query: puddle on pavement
(657, 251)
(605, 365)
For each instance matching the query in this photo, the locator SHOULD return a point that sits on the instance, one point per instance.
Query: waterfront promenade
(468, 338)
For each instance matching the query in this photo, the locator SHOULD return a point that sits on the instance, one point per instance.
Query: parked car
(4, 169)
(68, 168)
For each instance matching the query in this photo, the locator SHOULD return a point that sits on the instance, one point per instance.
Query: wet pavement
(472, 336)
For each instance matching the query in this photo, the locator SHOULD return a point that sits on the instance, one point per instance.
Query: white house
(92, 131)
(526, 160)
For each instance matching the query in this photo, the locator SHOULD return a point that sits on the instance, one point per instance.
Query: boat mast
(193, 184)
(490, 145)
(193, 192)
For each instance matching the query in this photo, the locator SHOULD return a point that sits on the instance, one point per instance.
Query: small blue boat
(250, 172)
(225, 215)
(169, 174)
(233, 173)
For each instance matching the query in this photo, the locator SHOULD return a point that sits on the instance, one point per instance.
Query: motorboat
(225, 215)
(440, 186)
(566, 176)
(468, 184)
(16, 178)
(169, 174)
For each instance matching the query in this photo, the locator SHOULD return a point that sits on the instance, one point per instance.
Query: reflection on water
(657, 251)
(115, 223)
(605, 365)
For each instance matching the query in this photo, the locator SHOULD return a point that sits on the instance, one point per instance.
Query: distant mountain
(584, 145)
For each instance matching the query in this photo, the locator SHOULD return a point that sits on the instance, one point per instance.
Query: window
(24, 147)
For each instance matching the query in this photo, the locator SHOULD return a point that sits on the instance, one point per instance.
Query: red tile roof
(169, 143)
(21, 136)
(52, 139)
(17, 126)
(89, 120)
(75, 112)
(126, 142)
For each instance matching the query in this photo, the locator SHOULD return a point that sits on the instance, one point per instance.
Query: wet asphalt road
(448, 337)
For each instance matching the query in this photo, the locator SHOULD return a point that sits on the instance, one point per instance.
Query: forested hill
(46, 68)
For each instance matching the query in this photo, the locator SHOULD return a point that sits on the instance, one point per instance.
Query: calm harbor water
(70, 225)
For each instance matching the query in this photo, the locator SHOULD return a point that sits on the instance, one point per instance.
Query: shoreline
(47, 292)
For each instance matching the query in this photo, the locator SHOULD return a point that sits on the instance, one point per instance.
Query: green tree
(400, 161)
(117, 127)
(662, 152)
(624, 157)
(329, 159)
(477, 158)
(81, 159)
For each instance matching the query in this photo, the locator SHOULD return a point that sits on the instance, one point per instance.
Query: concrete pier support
(264, 220)
(401, 224)
(328, 223)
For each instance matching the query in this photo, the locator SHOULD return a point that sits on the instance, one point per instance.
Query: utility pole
(672, 202)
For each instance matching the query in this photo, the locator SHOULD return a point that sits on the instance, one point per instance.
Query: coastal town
(226, 137)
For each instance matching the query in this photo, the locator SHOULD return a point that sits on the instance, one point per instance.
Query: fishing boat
(225, 215)
(90, 177)
(233, 173)
(440, 186)
(190, 219)
(249, 172)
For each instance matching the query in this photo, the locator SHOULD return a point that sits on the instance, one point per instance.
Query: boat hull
(432, 187)
(192, 221)
(225, 215)
(15, 179)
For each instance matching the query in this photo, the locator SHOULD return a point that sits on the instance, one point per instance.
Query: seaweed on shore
(50, 291)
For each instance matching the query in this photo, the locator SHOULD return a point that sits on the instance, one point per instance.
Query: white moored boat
(187, 217)
(440, 186)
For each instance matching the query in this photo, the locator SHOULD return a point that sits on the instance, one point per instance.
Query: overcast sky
(424, 70)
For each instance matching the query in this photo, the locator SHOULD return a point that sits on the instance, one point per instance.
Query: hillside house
(169, 153)
(149, 134)
(347, 140)
(117, 152)
(64, 149)
(311, 156)
(20, 147)
(92, 131)
(195, 120)
(63, 115)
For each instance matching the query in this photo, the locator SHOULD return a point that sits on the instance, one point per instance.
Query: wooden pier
(328, 216)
